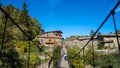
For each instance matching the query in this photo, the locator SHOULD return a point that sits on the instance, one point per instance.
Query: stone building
(109, 41)
(81, 42)
(50, 38)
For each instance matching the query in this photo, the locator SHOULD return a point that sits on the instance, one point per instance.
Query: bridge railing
(82, 54)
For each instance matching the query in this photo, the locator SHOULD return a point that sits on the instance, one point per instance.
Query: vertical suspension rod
(84, 57)
(79, 61)
(116, 30)
(22, 31)
(29, 55)
(3, 36)
(99, 27)
(93, 54)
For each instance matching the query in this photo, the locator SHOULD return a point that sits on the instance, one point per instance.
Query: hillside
(19, 16)
(16, 44)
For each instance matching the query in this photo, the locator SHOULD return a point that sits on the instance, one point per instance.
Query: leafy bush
(77, 61)
(56, 55)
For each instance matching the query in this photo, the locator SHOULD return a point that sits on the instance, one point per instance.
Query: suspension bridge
(63, 61)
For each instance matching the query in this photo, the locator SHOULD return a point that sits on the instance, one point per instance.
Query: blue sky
(72, 17)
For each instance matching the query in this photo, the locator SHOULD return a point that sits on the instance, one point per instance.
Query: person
(65, 57)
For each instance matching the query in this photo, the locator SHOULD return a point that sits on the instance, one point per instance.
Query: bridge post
(79, 60)
(112, 12)
(4, 32)
(28, 54)
(84, 57)
(93, 53)
(45, 60)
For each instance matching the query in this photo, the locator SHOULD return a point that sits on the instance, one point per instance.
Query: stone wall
(80, 43)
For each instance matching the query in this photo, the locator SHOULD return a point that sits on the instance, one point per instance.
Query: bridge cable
(116, 30)
(79, 60)
(99, 28)
(4, 33)
(23, 31)
(84, 57)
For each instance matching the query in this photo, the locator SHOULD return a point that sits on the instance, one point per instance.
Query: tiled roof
(58, 31)
(108, 35)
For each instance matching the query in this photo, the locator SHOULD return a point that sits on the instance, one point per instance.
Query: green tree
(11, 59)
(14, 37)
(118, 31)
(72, 38)
(32, 26)
(1, 4)
(92, 32)
(24, 15)
(29, 25)
(99, 33)
(56, 55)
(77, 61)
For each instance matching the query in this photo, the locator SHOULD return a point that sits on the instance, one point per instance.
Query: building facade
(109, 40)
(106, 41)
(50, 38)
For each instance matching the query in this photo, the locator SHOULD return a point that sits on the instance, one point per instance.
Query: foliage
(22, 48)
(45, 48)
(76, 61)
(72, 38)
(28, 24)
(16, 44)
(99, 33)
(107, 60)
(118, 31)
(10, 58)
(92, 32)
(102, 60)
(56, 55)
(34, 59)
(101, 45)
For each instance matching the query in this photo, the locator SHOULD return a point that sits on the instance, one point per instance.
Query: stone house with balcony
(108, 41)
(50, 38)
